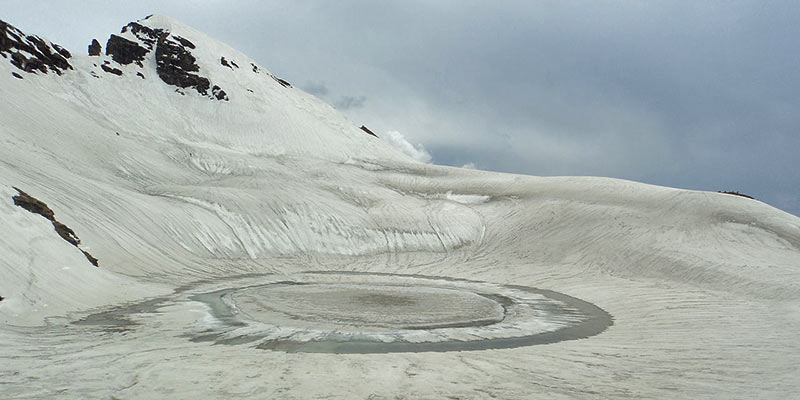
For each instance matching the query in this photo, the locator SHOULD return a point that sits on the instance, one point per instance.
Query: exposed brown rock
(37, 206)
(33, 205)
(91, 258)
(365, 129)
(66, 233)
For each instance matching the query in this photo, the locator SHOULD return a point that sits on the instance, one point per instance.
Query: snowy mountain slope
(261, 117)
(169, 186)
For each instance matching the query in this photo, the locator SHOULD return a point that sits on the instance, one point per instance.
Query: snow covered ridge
(147, 41)
(32, 54)
(175, 64)
(183, 86)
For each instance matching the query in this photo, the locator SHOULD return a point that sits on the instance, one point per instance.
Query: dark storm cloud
(699, 95)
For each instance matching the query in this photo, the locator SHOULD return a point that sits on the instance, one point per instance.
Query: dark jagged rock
(282, 82)
(147, 35)
(125, 51)
(37, 206)
(16, 75)
(91, 258)
(184, 42)
(229, 64)
(139, 74)
(27, 64)
(66, 233)
(62, 51)
(255, 68)
(219, 93)
(33, 205)
(174, 65)
(111, 70)
(95, 48)
(39, 55)
(737, 194)
(2, 298)
(224, 62)
(368, 131)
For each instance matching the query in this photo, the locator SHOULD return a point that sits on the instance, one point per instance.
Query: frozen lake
(370, 313)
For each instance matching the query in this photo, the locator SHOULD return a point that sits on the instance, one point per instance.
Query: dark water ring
(592, 321)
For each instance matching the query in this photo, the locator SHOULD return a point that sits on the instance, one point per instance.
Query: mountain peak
(159, 72)
(162, 39)
(158, 21)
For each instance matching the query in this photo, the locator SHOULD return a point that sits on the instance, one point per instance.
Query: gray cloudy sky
(698, 95)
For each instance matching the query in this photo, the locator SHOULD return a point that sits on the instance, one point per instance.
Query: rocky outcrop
(148, 36)
(184, 42)
(230, 64)
(111, 70)
(218, 93)
(95, 48)
(62, 51)
(31, 53)
(368, 131)
(175, 65)
(37, 206)
(125, 51)
(735, 193)
(282, 82)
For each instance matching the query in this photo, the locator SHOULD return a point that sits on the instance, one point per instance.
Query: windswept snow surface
(179, 194)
